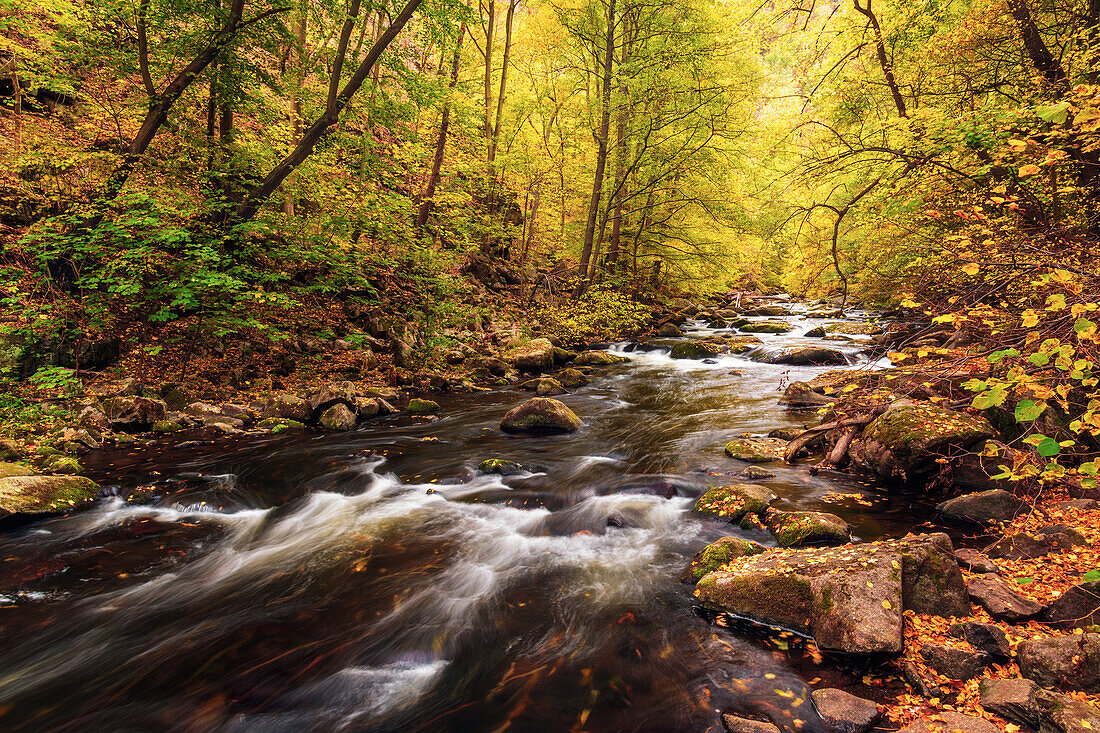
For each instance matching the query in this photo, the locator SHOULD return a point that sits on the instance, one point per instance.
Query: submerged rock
(907, 439)
(33, 494)
(756, 450)
(850, 598)
(541, 415)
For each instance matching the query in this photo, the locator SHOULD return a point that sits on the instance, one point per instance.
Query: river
(372, 581)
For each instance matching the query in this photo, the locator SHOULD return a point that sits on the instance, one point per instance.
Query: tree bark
(601, 143)
(883, 61)
(441, 141)
(494, 138)
(612, 261)
(296, 55)
(1041, 57)
(321, 127)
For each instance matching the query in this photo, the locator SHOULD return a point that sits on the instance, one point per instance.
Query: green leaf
(1092, 576)
(1028, 410)
(1048, 447)
(1055, 113)
(992, 397)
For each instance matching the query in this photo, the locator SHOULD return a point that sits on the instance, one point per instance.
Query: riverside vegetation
(233, 220)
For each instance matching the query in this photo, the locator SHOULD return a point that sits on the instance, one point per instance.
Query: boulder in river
(535, 356)
(804, 356)
(794, 529)
(572, 378)
(766, 327)
(548, 387)
(849, 598)
(669, 330)
(134, 414)
(501, 467)
(815, 333)
(843, 712)
(541, 415)
(756, 450)
(733, 502)
(852, 328)
(33, 494)
(768, 310)
(983, 507)
(599, 358)
(419, 406)
(695, 350)
(741, 343)
(716, 554)
(907, 439)
(800, 394)
(338, 417)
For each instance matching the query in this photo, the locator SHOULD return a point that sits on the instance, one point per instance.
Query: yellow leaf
(1028, 170)
(1030, 318)
(971, 268)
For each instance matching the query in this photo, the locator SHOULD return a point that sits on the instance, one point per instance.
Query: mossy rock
(418, 406)
(715, 555)
(280, 424)
(733, 502)
(572, 378)
(548, 387)
(541, 415)
(166, 426)
(756, 450)
(696, 350)
(35, 494)
(793, 529)
(854, 329)
(766, 327)
(501, 467)
(742, 343)
(61, 464)
(7, 470)
(599, 358)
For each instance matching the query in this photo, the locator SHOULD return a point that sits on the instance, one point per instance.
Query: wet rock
(1070, 662)
(563, 356)
(1024, 702)
(331, 394)
(1053, 539)
(535, 356)
(756, 450)
(769, 311)
(975, 561)
(907, 439)
(954, 663)
(695, 350)
(134, 414)
(1078, 607)
(733, 502)
(599, 358)
(167, 426)
(716, 554)
(669, 330)
(287, 407)
(735, 724)
(501, 467)
(1000, 601)
(338, 417)
(800, 394)
(766, 327)
(854, 329)
(548, 387)
(950, 722)
(64, 465)
(921, 684)
(741, 343)
(1083, 504)
(804, 356)
(541, 415)
(983, 637)
(850, 598)
(118, 388)
(35, 494)
(793, 529)
(755, 473)
(845, 713)
(280, 424)
(572, 378)
(418, 406)
(983, 507)
(816, 333)
(7, 470)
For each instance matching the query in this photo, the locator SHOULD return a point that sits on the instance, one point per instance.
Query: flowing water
(372, 581)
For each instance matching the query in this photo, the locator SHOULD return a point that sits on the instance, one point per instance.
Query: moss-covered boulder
(801, 394)
(715, 555)
(37, 494)
(733, 502)
(548, 387)
(766, 327)
(756, 450)
(906, 440)
(7, 470)
(418, 406)
(741, 343)
(338, 417)
(280, 424)
(166, 426)
(696, 350)
(599, 358)
(850, 599)
(851, 328)
(541, 415)
(537, 355)
(572, 378)
(794, 529)
(501, 467)
(804, 356)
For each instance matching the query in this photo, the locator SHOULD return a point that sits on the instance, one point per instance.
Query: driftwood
(814, 434)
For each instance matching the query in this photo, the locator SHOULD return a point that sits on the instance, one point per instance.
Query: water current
(373, 581)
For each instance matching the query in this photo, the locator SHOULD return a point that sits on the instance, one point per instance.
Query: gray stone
(734, 724)
(338, 417)
(955, 663)
(983, 507)
(983, 637)
(1054, 539)
(288, 407)
(1000, 601)
(975, 561)
(1078, 607)
(1070, 662)
(949, 722)
(541, 415)
(845, 713)
(1024, 702)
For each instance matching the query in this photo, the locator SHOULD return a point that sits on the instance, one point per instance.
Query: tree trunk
(441, 141)
(601, 143)
(612, 261)
(320, 128)
(494, 138)
(1041, 57)
(883, 61)
(487, 123)
(296, 101)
